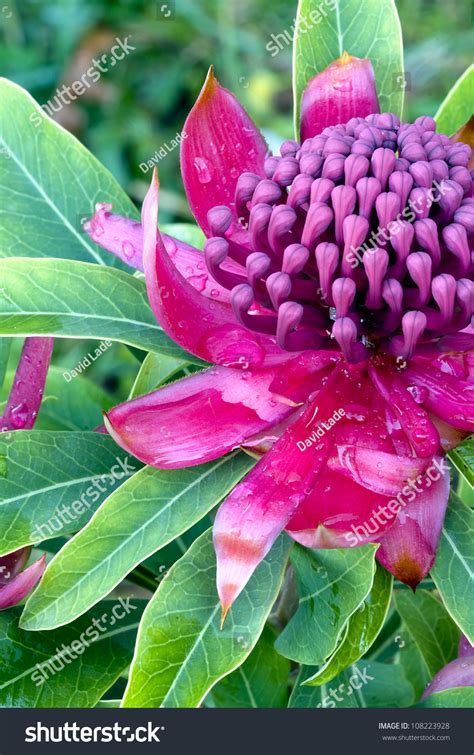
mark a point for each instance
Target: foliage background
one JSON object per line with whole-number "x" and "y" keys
{"x": 142, "y": 102}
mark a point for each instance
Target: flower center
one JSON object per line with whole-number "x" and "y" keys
{"x": 360, "y": 238}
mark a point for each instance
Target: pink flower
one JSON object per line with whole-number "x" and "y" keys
{"x": 15, "y": 584}
{"x": 20, "y": 413}
{"x": 347, "y": 362}
{"x": 457, "y": 673}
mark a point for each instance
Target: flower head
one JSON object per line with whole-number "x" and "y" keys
{"x": 335, "y": 298}
{"x": 357, "y": 240}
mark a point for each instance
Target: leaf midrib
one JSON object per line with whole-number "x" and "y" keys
{"x": 107, "y": 636}
{"x": 124, "y": 543}
{"x": 51, "y": 204}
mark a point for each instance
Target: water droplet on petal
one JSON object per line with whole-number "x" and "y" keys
{"x": 198, "y": 282}
{"x": 203, "y": 169}
{"x": 128, "y": 250}
{"x": 19, "y": 416}
{"x": 343, "y": 85}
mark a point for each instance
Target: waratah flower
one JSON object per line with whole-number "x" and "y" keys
{"x": 20, "y": 413}
{"x": 334, "y": 297}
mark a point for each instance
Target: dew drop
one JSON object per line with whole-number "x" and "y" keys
{"x": 19, "y": 416}
{"x": 203, "y": 169}
{"x": 419, "y": 393}
{"x": 128, "y": 250}
{"x": 198, "y": 282}
{"x": 343, "y": 85}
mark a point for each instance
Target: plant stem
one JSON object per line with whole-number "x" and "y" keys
{"x": 144, "y": 577}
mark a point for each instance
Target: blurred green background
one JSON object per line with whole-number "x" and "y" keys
{"x": 142, "y": 102}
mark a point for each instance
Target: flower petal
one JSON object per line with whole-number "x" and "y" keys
{"x": 221, "y": 142}
{"x": 199, "y": 418}
{"x": 465, "y": 649}
{"x": 19, "y": 587}
{"x": 206, "y": 328}
{"x": 408, "y": 549}
{"x": 344, "y": 90}
{"x": 123, "y": 237}
{"x": 458, "y": 673}
{"x": 448, "y": 397}
{"x": 379, "y": 471}
{"x": 12, "y": 564}
{"x": 26, "y": 394}
{"x": 256, "y": 511}
{"x": 450, "y": 436}
{"x": 414, "y": 420}
{"x": 338, "y": 513}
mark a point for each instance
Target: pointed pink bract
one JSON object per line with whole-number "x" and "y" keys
{"x": 408, "y": 549}
{"x": 344, "y": 90}
{"x": 221, "y": 142}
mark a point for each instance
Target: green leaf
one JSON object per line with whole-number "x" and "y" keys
{"x": 187, "y": 232}
{"x": 79, "y": 300}
{"x": 456, "y": 697}
{"x": 60, "y": 669}
{"x": 5, "y": 346}
{"x": 156, "y": 369}
{"x": 77, "y": 405}
{"x": 108, "y": 704}
{"x": 181, "y": 651}
{"x": 413, "y": 663}
{"x": 332, "y": 584}
{"x": 456, "y": 108}
{"x": 453, "y": 570}
{"x": 154, "y": 507}
{"x": 363, "y": 28}
{"x": 363, "y": 627}
{"x": 261, "y": 682}
{"x": 463, "y": 459}
{"x": 52, "y": 182}
{"x": 363, "y": 685}
{"x": 431, "y": 628}
{"x": 53, "y": 482}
